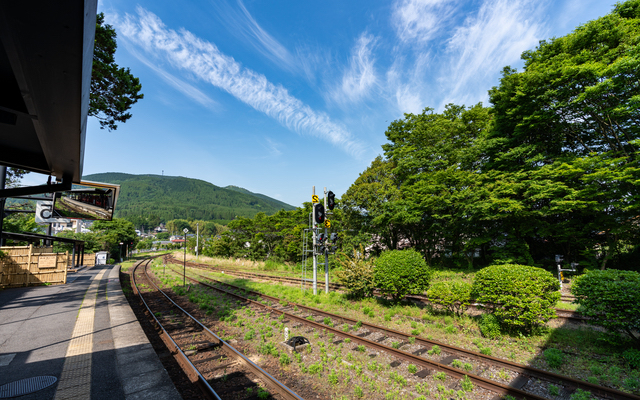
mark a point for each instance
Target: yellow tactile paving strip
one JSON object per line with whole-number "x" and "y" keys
{"x": 75, "y": 381}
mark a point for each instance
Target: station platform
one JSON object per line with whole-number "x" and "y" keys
{"x": 85, "y": 335}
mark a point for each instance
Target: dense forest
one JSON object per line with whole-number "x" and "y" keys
{"x": 147, "y": 200}
{"x": 549, "y": 168}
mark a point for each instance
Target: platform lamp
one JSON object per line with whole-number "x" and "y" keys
{"x": 184, "y": 265}
{"x": 121, "y": 251}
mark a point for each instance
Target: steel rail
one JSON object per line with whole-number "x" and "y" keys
{"x": 241, "y": 273}
{"x": 190, "y": 370}
{"x": 522, "y": 369}
{"x": 427, "y": 364}
{"x": 269, "y": 380}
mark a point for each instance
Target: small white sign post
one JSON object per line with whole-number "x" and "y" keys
{"x": 184, "y": 265}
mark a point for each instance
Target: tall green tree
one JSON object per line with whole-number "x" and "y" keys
{"x": 114, "y": 89}
{"x": 176, "y": 226}
{"x": 578, "y": 94}
{"x": 566, "y": 130}
{"x": 92, "y": 242}
{"x": 21, "y": 223}
{"x": 111, "y": 233}
{"x": 438, "y": 163}
{"x": 367, "y": 206}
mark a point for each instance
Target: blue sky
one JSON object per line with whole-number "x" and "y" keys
{"x": 278, "y": 96}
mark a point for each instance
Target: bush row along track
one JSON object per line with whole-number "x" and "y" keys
{"x": 561, "y": 314}
{"x": 219, "y": 364}
{"x": 523, "y": 381}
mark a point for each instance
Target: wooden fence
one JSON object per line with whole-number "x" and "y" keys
{"x": 32, "y": 266}
{"x": 89, "y": 260}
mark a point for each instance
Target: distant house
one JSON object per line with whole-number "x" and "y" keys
{"x": 160, "y": 228}
{"x": 176, "y": 239}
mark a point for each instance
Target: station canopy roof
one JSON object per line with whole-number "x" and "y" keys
{"x": 46, "y": 54}
{"x": 36, "y": 237}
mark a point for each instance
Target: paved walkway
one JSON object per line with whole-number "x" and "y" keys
{"x": 83, "y": 333}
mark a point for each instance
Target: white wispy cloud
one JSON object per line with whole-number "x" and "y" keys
{"x": 411, "y": 86}
{"x": 244, "y": 23}
{"x": 204, "y": 61}
{"x": 303, "y": 59}
{"x": 466, "y": 58}
{"x": 182, "y": 86}
{"x": 311, "y": 60}
{"x": 360, "y": 75}
{"x": 488, "y": 41}
{"x": 273, "y": 147}
{"x": 421, "y": 20}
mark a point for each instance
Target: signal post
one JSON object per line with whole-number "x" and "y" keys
{"x": 320, "y": 240}
{"x": 327, "y": 224}
{"x": 314, "y": 200}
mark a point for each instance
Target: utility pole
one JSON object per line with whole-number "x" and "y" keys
{"x": 315, "y": 256}
{"x": 326, "y": 250}
{"x": 197, "y": 239}
{"x": 184, "y": 265}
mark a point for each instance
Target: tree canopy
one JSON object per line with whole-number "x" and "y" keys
{"x": 114, "y": 89}
{"x": 549, "y": 167}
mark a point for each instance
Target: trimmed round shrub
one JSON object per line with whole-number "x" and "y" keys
{"x": 521, "y": 297}
{"x": 611, "y": 298}
{"x": 401, "y": 272}
{"x": 455, "y": 296}
{"x": 356, "y": 274}
{"x": 489, "y": 326}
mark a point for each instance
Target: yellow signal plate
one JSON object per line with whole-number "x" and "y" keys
{"x": 315, "y": 199}
{"x": 327, "y": 223}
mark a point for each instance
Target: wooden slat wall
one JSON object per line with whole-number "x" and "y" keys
{"x": 20, "y": 267}
{"x": 89, "y": 260}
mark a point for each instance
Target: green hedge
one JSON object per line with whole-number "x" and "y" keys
{"x": 455, "y": 296}
{"x": 611, "y": 298}
{"x": 356, "y": 274}
{"x": 401, "y": 272}
{"x": 521, "y": 297}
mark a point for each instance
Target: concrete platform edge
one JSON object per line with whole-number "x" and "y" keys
{"x": 141, "y": 373}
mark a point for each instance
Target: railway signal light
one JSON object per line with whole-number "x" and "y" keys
{"x": 334, "y": 240}
{"x": 318, "y": 211}
{"x": 321, "y": 237}
{"x": 331, "y": 200}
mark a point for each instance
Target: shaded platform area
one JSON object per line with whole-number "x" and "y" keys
{"x": 85, "y": 335}
{"x": 77, "y": 254}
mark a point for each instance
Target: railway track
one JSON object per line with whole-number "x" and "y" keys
{"x": 566, "y": 315}
{"x": 217, "y": 368}
{"x": 522, "y": 382}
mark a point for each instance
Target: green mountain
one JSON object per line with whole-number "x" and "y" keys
{"x": 262, "y": 196}
{"x": 176, "y": 197}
